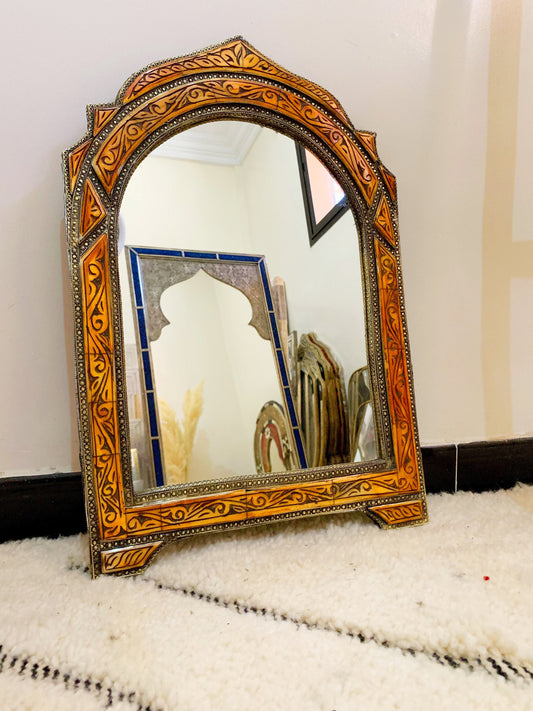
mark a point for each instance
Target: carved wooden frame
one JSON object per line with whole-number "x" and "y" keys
{"x": 229, "y": 81}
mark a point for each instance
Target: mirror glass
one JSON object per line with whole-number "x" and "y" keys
{"x": 325, "y": 190}
{"x": 218, "y": 400}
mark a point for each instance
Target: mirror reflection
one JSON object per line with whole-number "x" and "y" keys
{"x": 207, "y": 386}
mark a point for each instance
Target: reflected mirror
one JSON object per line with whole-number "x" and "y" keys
{"x": 198, "y": 375}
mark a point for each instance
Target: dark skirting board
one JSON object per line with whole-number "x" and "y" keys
{"x": 51, "y": 505}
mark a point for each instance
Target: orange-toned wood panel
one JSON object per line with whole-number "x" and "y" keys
{"x": 97, "y": 299}
{"x": 142, "y": 520}
{"x": 75, "y": 160}
{"x": 129, "y": 558}
{"x": 104, "y": 432}
{"x": 279, "y": 500}
{"x": 143, "y": 121}
{"x": 205, "y": 511}
{"x": 361, "y": 487}
{"x": 400, "y": 512}
{"x": 108, "y": 490}
{"x": 369, "y": 142}
{"x": 235, "y": 56}
{"x": 101, "y": 117}
{"x": 92, "y": 210}
{"x": 390, "y": 181}
{"x": 383, "y": 221}
{"x": 396, "y": 371}
{"x": 311, "y": 495}
{"x": 100, "y": 383}
{"x": 252, "y": 504}
{"x": 105, "y": 439}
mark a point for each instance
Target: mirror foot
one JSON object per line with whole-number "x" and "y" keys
{"x": 404, "y": 513}
{"x": 129, "y": 559}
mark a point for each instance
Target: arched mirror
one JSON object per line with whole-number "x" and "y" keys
{"x": 197, "y": 374}
{"x": 242, "y": 351}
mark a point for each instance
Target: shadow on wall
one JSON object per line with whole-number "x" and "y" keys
{"x": 68, "y": 320}
{"x": 38, "y": 424}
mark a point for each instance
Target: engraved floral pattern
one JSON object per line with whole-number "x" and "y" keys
{"x": 400, "y": 513}
{"x": 127, "y": 558}
{"x": 396, "y": 371}
{"x": 383, "y": 222}
{"x": 75, "y": 161}
{"x": 236, "y": 56}
{"x": 101, "y": 388}
{"x": 146, "y": 119}
{"x": 92, "y": 212}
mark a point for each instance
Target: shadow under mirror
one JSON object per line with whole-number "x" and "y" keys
{"x": 210, "y": 393}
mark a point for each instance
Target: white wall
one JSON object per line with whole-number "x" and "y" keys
{"x": 164, "y": 206}
{"x": 323, "y": 283}
{"x": 521, "y": 287}
{"x": 417, "y": 72}
{"x": 190, "y": 205}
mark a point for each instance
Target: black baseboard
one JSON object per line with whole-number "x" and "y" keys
{"x": 486, "y": 466}
{"x": 48, "y": 505}
{"x": 52, "y": 505}
{"x": 478, "y": 466}
{"x": 439, "y": 468}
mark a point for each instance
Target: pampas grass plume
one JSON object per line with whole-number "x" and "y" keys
{"x": 178, "y": 438}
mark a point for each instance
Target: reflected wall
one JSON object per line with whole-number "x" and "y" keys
{"x": 252, "y": 207}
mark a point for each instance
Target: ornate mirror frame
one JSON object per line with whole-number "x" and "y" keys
{"x": 230, "y": 81}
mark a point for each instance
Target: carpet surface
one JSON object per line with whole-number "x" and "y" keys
{"x": 325, "y": 614}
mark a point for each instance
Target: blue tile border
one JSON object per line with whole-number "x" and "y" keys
{"x": 142, "y": 329}
{"x": 155, "y": 251}
{"x": 136, "y": 278}
{"x": 242, "y": 257}
{"x": 200, "y": 255}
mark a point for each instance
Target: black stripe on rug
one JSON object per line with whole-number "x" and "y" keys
{"x": 24, "y": 665}
{"x": 502, "y": 668}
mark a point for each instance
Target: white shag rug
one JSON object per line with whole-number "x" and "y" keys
{"x": 325, "y": 614}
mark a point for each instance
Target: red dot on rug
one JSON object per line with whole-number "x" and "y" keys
{"x": 486, "y": 577}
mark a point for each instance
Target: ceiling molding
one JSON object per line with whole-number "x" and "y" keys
{"x": 218, "y": 143}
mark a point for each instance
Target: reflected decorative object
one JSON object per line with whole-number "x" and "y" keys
{"x": 232, "y": 81}
{"x": 177, "y": 438}
{"x": 321, "y": 403}
{"x": 272, "y": 449}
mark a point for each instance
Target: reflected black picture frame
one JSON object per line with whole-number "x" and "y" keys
{"x": 315, "y": 230}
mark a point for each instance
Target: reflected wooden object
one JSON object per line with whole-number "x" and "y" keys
{"x": 321, "y": 402}
{"x": 272, "y": 448}
{"x": 231, "y": 81}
